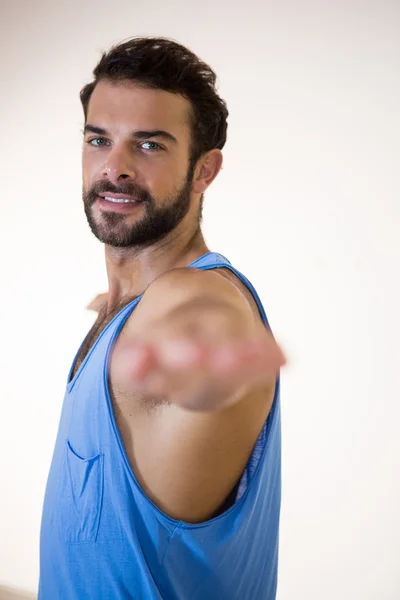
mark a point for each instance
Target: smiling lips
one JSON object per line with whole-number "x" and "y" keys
{"x": 118, "y": 198}
{"x": 118, "y": 203}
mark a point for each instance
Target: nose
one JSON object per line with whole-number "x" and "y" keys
{"x": 118, "y": 165}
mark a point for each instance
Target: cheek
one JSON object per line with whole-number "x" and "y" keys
{"x": 164, "y": 181}
{"x": 88, "y": 170}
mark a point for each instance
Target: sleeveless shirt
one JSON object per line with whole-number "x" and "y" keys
{"x": 102, "y": 538}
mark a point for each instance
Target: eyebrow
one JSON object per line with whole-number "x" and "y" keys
{"x": 141, "y": 135}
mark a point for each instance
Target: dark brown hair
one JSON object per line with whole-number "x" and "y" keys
{"x": 161, "y": 63}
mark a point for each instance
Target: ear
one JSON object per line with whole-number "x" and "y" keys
{"x": 206, "y": 171}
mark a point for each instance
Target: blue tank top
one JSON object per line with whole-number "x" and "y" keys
{"x": 102, "y": 538}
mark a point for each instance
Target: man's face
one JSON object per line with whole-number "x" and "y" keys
{"x": 136, "y": 144}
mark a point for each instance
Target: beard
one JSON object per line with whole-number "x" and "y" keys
{"x": 159, "y": 219}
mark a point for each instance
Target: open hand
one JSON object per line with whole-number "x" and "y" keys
{"x": 197, "y": 374}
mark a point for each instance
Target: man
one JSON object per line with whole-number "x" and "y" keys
{"x": 165, "y": 479}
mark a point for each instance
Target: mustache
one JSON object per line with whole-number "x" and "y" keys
{"x": 128, "y": 188}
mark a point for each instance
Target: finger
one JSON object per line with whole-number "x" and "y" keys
{"x": 185, "y": 362}
{"x": 248, "y": 351}
{"x": 151, "y": 376}
{"x": 180, "y": 354}
{"x": 252, "y": 358}
{"x": 197, "y": 376}
{"x": 138, "y": 361}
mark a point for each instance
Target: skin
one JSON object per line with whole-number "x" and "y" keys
{"x": 122, "y": 110}
{"x": 193, "y": 376}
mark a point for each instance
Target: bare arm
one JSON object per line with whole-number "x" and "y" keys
{"x": 194, "y": 339}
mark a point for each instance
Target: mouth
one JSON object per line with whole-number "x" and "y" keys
{"x": 118, "y": 200}
{"x": 111, "y": 197}
{"x": 118, "y": 203}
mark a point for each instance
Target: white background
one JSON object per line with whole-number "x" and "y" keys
{"x": 307, "y": 206}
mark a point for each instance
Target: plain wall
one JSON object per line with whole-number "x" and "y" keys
{"x": 307, "y": 206}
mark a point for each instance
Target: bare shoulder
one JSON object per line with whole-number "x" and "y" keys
{"x": 228, "y": 275}
{"x": 220, "y": 283}
{"x": 204, "y": 454}
{"x": 188, "y": 282}
{"x": 188, "y": 285}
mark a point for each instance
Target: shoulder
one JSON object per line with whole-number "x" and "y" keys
{"x": 182, "y": 285}
{"x": 190, "y": 280}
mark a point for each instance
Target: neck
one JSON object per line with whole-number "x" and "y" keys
{"x": 131, "y": 270}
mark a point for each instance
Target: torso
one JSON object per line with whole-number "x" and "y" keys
{"x": 100, "y": 324}
{"x": 162, "y": 441}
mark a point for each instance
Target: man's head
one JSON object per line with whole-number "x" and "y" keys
{"x": 154, "y": 131}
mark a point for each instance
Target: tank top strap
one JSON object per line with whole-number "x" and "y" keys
{"x": 214, "y": 260}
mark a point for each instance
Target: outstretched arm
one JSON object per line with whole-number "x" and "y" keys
{"x": 195, "y": 341}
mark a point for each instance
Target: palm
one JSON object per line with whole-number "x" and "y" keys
{"x": 196, "y": 373}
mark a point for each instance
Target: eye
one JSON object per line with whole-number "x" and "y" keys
{"x": 152, "y": 146}
{"x": 102, "y": 142}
